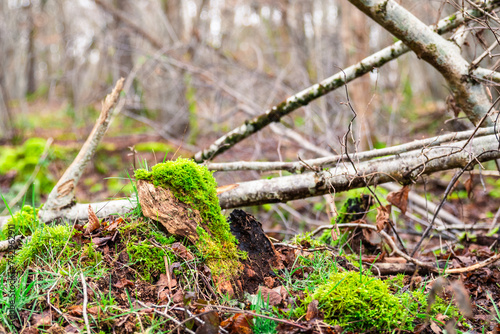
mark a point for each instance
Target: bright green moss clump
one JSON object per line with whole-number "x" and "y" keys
{"x": 193, "y": 184}
{"x": 23, "y": 222}
{"x": 359, "y": 302}
{"x": 47, "y": 243}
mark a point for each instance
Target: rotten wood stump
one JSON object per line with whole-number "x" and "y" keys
{"x": 160, "y": 204}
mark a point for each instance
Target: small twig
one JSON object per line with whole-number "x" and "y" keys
{"x": 237, "y": 310}
{"x": 393, "y": 246}
{"x": 85, "y": 300}
{"x": 62, "y": 195}
{"x": 165, "y": 315}
{"x": 494, "y": 222}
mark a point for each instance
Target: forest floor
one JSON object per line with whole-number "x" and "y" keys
{"x": 128, "y": 275}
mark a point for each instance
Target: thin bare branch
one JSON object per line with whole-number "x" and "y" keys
{"x": 324, "y": 87}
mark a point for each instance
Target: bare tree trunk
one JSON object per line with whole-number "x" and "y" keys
{"x": 404, "y": 168}
{"x": 30, "y": 66}
{"x": 442, "y": 54}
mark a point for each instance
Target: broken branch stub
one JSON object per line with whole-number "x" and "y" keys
{"x": 161, "y": 205}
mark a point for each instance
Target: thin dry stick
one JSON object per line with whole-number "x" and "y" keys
{"x": 443, "y": 200}
{"x": 165, "y": 315}
{"x": 63, "y": 193}
{"x": 85, "y": 300}
{"x": 31, "y": 179}
{"x": 304, "y": 97}
{"x": 393, "y": 246}
{"x": 333, "y": 160}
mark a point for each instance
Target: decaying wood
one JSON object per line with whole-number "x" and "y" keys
{"x": 161, "y": 205}
{"x": 333, "y": 160}
{"x": 62, "y": 195}
{"x": 404, "y": 168}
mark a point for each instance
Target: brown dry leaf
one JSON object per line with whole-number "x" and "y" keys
{"x": 312, "y": 310}
{"x": 224, "y": 287}
{"x": 182, "y": 251}
{"x": 435, "y": 328}
{"x": 44, "y": 319}
{"x": 166, "y": 281}
{"x": 399, "y": 198}
{"x": 29, "y": 330}
{"x": 211, "y": 323}
{"x": 75, "y": 310}
{"x": 469, "y": 185}
{"x": 56, "y": 329}
{"x": 270, "y": 296}
{"x": 123, "y": 283}
{"x": 94, "y": 222}
{"x": 101, "y": 241}
{"x": 269, "y": 282}
{"x": 239, "y": 323}
{"x": 383, "y": 217}
{"x": 222, "y": 189}
{"x": 111, "y": 227}
{"x": 71, "y": 329}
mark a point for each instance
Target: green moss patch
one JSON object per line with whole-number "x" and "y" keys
{"x": 47, "y": 244}
{"x": 23, "y": 222}
{"x": 357, "y": 302}
{"x": 194, "y": 185}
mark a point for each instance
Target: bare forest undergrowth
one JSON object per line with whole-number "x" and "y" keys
{"x": 334, "y": 237}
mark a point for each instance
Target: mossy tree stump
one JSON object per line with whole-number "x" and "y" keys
{"x": 182, "y": 196}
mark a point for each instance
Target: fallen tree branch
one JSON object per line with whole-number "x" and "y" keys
{"x": 340, "y": 178}
{"x": 408, "y": 258}
{"x": 303, "y": 98}
{"x": 403, "y": 168}
{"x": 443, "y": 55}
{"x": 332, "y": 160}
{"x": 63, "y": 194}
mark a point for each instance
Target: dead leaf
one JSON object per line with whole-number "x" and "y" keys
{"x": 71, "y": 329}
{"x": 44, "y": 319}
{"x": 101, "y": 241}
{"x": 269, "y": 282}
{"x": 122, "y": 283}
{"x": 435, "y": 328}
{"x": 270, "y": 296}
{"x": 56, "y": 329}
{"x": 312, "y": 310}
{"x": 29, "y": 330}
{"x": 75, "y": 310}
{"x": 222, "y": 189}
{"x": 469, "y": 185}
{"x": 239, "y": 323}
{"x": 383, "y": 217}
{"x": 111, "y": 227}
{"x": 211, "y": 323}
{"x": 94, "y": 222}
{"x": 178, "y": 296}
{"x": 166, "y": 281}
{"x": 182, "y": 251}
{"x": 399, "y": 198}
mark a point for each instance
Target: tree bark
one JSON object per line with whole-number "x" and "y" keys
{"x": 404, "y": 168}
{"x": 304, "y": 97}
{"x": 442, "y": 54}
